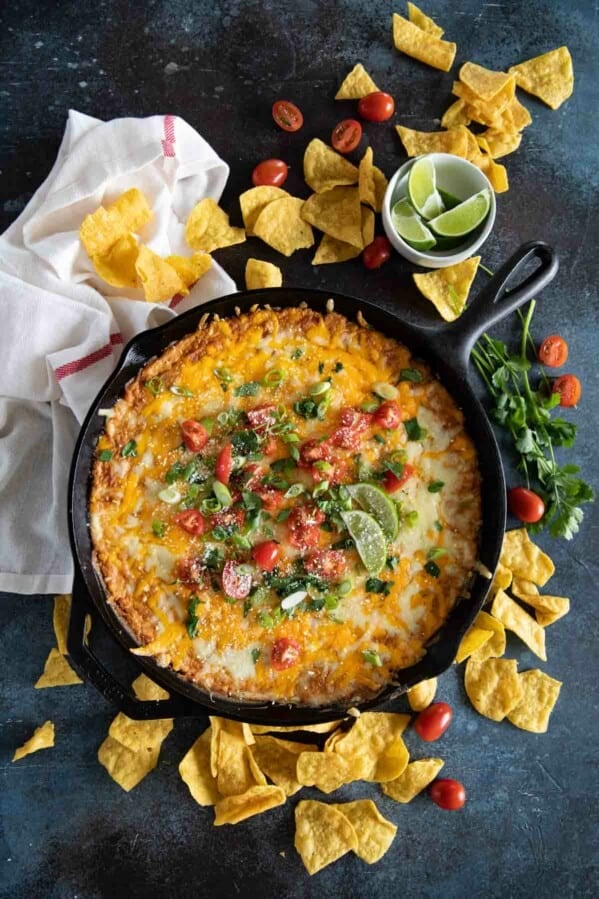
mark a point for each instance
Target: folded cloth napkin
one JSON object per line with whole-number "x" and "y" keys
{"x": 63, "y": 328}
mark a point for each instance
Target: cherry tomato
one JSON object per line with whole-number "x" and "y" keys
{"x": 236, "y": 584}
{"x": 272, "y": 172}
{"x": 377, "y": 253}
{"x": 353, "y": 423}
{"x": 272, "y": 498}
{"x": 261, "y": 417}
{"x": 391, "y": 482}
{"x": 553, "y": 351}
{"x": 303, "y": 526}
{"x": 315, "y": 451}
{"x": 346, "y": 135}
{"x": 569, "y": 389}
{"x": 287, "y": 115}
{"x": 230, "y": 519}
{"x": 224, "y": 464}
{"x": 266, "y": 555}
{"x": 191, "y": 521}
{"x": 326, "y": 563}
{"x": 525, "y": 505}
{"x": 376, "y": 107}
{"x": 448, "y": 794}
{"x": 433, "y": 722}
{"x": 195, "y": 435}
{"x": 284, "y": 653}
{"x": 388, "y": 415}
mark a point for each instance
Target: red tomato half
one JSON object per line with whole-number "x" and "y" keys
{"x": 191, "y": 521}
{"x": 525, "y": 505}
{"x": 433, "y": 722}
{"x": 266, "y": 555}
{"x": 236, "y": 584}
{"x": 376, "y": 253}
{"x": 553, "y": 352}
{"x": 448, "y": 794}
{"x": 569, "y": 389}
{"x": 353, "y": 423}
{"x": 346, "y": 135}
{"x": 272, "y": 172}
{"x": 287, "y": 115}
{"x": 284, "y": 653}
{"x": 388, "y": 415}
{"x": 315, "y": 451}
{"x": 195, "y": 435}
{"x": 224, "y": 464}
{"x": 393, "y": 483}
{"x": 376, "y": 107}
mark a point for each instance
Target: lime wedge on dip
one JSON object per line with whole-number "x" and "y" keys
{"x": 464, "y": 218}
{"x": 422, "y": 189}
{"x": 369, "y": 539}
{"x": 376, "y": 502}
{"x": 408, "y": 225}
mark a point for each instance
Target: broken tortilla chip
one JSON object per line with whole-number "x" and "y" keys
{"x": 421, "y": 695}
{"x": 117, "y": 265}
{"x": 138, "y": 735}
{"x": 539, "y": 695}
{"x": 525, "y": 559}
{"x": 146, "y": 689}
{"x": 331, "y": 250}
{"x": 375, "y": 833}
{"x": 417, "y": 143}
{"x": 159, "y": 280}
{"x": 322, "y": 834}
{"x": 374, "y": 747}
{"x": 456, "y": 114}
{"x": 282, "y": 226}
{"x": 324, "y": 728}
{"x": 237, "y": 770}
{"x": 190, "y": 268}
{"x": 495, "y": 645}
{"x": 493, "y": 686}
{"x": 42, "y": 738}
{"x": 336, "y": 212}
{"x": 413, "y": 41}
{"x": 278, "y": 760}
{"x": 473, "y": 640}
{"x": 258, "y": 799}
{"x": 485, "y": 83}
{"x": 448, "y": 288}
{"x": 417, "y": 776}
{"x": 102, "y": 228}
{"x": 57, "y": 672}
{"x": 356, "y": 84}
{"x": 194, "y": 769}
{"x": 325, "y": 169}
{"x": 550, "y": 77}
{"x": 208, "y": 228}
{"x": 126, "y": 767}
{"x": 499, "y": 143}
{"x": 259, "y": 274}
{"x": 60, "y": 620}
{"x": 324, "y": 770}
{"x": 424, "y": 22}
{"x": 515, "y": 619}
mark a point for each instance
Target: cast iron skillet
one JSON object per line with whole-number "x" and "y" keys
{"x": 446, "y": 348}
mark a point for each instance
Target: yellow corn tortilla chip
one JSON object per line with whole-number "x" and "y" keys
{"x": 146, "y": 689}
{"x": 495, "y": 645}
{"x": 367, "y": 226}
{"x": 456, "y": 114}
{"x": 282, "y": 227}
{"x": 375, "y": 834}
{"x": 278, "y": 760}
{"x": 331, "y": 250}
{"x": 133, "y": 208}
{"x": 548, "y": 609}
{"x": 502, "y": 578}
{"x": 126, "y": 767}
{"x": 324, "y": 770}
{"x": 521, "y": 587}
{"x": 500, "y": 143}
{"x": 374, "y": 747}
{"x": 333, "y": 739}
{"x": 414, "y": 42}
{"x": 324, "y": 728}
{"x": 259, "y": 274}
{"x": 424, "y": 22}
{"x": 417, "y": 143}
{"x": 525, "y": 559}
{"x": 218, "y": 726}
{"x": 102, "y": 228}
{"x": 490, "y": 110}
{"x": 539, "y": 695}
{"x": 194, "y": 769}
{"x": 258, "y": 799}
{"x": 473, "y": 640}
{"x": 485, "y": 83}
{"x": 515, "y": 619}
{"x": 549, "y": 76}
{"x": 322, "y": 834}
{"x": 448, "y": 288}
{"x": 325, "y": 169}
{"x": 372, "y": 183}
{"x": 208, "y": 228}
{"x": 60, "y": 620}
{"x": 336, "y": 212}
{"x": 42, "y": 738}
{"x": 516, "y": 116}
{"x": 417, "y": 776}
{"x": 493, "y": 686}
{"x": 57, "y": 672}
{"x": 237, "y": 770}
{"x": 117, "y": 265}
{"x": 356, "y": 84}
{"x": 253, "y": 201}
{"x": 190, "y": 268}
{"x": 159, "y": 280}
{"x": 496, "y": 173}
{"x": 137, "y": 735}
{"x": 421, "y": 695}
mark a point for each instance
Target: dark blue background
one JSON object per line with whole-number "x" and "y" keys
{"x": 530, "y": 826}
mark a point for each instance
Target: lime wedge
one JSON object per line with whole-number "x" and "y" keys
{"x": 422, "y": 189}
{"x": 369, "y": 539}
{"x": 449, "y": 201}
{"x": 465, "y": 217}
{"x": 376, "y": 502}
{"x": 408, "y": 225}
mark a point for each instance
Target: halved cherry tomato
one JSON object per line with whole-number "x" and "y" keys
{"x": 553, "y": 352}
{"x": 376, "y": 107}
{"x": 346, "y": 135}
{"x": 525, "y": 505}
{"x": 272, "y": 172}
{"x": 569, "y": 389}
{"x": 448, "y": 794}
{"x": 433, "y": 721}
{"x": 391, "y": 482}
{"x": 326, "y": 563}
{"x": 284, "y": 653}
{"x": 195, "y": 435}
{"x": 376, "y": 253}
{"x": 287, "y": 115}
{"x": 224, "y": 464}
{"x": 236, "y": 584}
{"x": 388, "y": 415}
{"x": 191, "y": 521}
{"x": 261, "y": 417}
{"x": 315, "y": 451}
{"x": 266, "y": 555}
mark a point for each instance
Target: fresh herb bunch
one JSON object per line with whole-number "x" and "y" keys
{"x": 525, "y": 411}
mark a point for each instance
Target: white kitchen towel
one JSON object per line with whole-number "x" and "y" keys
{"x": 62, "y": 328}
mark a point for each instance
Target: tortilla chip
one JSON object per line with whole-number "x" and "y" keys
{"x": 254, "y": 200}
{"x": 146, "y": 689}
{"x": 117, "y": 265}
{"x": 137, "y": 735}
{"x": 324, "y": 770}
{"x": 159, "y": 280}
{"x": 473, "y": 640}
{"x": 60, "y": 620}
{"x": 502, "y": 578}
{"x": 456, "y": 114}
{"x": 324, "y": 728}
{"x": 356, "y": 85}
{"x": 485, "y": 83}
{"x": 102, "y": 228}
{"x": 208, "y": 228}
{"x": 126, "y": 767}
{"x": 374, "y": 747}
{"x": 516, "y": 116}
{"x": 259, "y": 274}
{"x": 278, "y": 760}
{"x": 336, "y": 212}
{"x": 375, "y": 834}
{"x": 331, "y": 250}
{"x": 237, "y": 770}
{"x": 417, "y": 143}
{"x": 43, "y": 738}
{"x": 539, "y": 695}
{"x": 367, "y": 226}
{"x": 325, "y": 169}
{"x": 549, "y": 76}
{"x": 235, "y": 728}
{"x": 258, "y": 799}
{"x": 322, "y": 834}
{"x": 548, "y": 609}
{"x": 525, "y": 559}
{"x": 515, "y": 619}
{"x": 500, "y": 143}
{"x": 424, "y": 22}
{"x": 282, "y": 227}
{"x": 493, "y": 686}
{"x": 448, "y": 288}
{"x": 521, "y": 587}
{"x": 190, "y": 268}
{"x": 421, "y": 695}
{"x": 57, "y": 672}
{"x": 417, "y": 776}
{"x": 194, "y": 769}
{"x": 495, "y": 645}
{"x": 413, "y": 41}
{"x": 133, "y": 209}
{"x": 496, "y": 173}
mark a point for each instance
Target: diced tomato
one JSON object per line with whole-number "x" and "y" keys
{"x": 270, "y": 446}
{"x": 272, "y": 498}
{"x": 392, "y": 483}
{"x": 191, "y": 571}
{"x": 266, "y": 555}
{"x": 195, "y": 435}
{"x": 236, "y": 584}
{"x": 337, "y": 473}
{"x": 272, "y": 172}
{"x": 224, "y": 464}
{"x": 230, "y": 519}
{"x": 352, "y": 423}
{"x": 252, "y": 475}
{"x": 303, "y": 525}
{"x": 326, "y": 563}
{"x": 191, "y": 521}
{"x": 388, "y": 415}
{"x": 315, "y": 451}
{"x": 305, "y": 538}
{"x": 284, "y": 653}
{"x": 261, "y": 417}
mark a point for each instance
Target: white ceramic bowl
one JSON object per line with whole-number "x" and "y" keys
{"x": 460, "y": 178}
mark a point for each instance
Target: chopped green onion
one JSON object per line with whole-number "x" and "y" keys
{"x": 207, "y": 424}
{"x": 438, "y": 526}
{"x": 436, "y": 486}
{"x": 414, "y": 430}
{"x": 255, "y": 655}
{"x": 219, "y": 533}
{"x": 399, "y": 456}
{"x": 241, "y": 542}
{"x": 297, "y": 353}
{"x": 192, "y": 615}
{"x": 250, "y": 388}
{"x": 210, "y": 505}
{"x": 432, "y": 568}
{"x": 223, "y": 494}
{"x": 320, "y": 367}
{"x": 294, "y": 490}
{"x": 223, "y": 419}
{"x": 331, "y": 602}
{"x": 372, "y": 657}
{"x": 436, "y": 552}
{"x": 105, "y": 455}
{"x": 265, "y": 619}
{"x": 345, "y": 587}
{"x": 320, "y": 489}
{"x": 274, "y": 377}
{"x": 376, "y": 585}
{"x": 410, "y": 374}
{"x": 410, "y": 518}
{"x": 130, "y": 449}
{"x": 324, "y": 466}
{"x": 338, "y": 367}
{"x": 379, "y": 439}
{"x": 181, "y": 391}
{"x": 385, "y": 391}
{"x": 369, "y": 406}
{"x": 158, "y": 528}
{"x": 319, "y": 388}
{"x": 223, "y": 374}
{"x": 294, "y": 453}
{"x": 155, "y": 386}
{"x": 170, "y": 495}
{"x": 283, "y": 515}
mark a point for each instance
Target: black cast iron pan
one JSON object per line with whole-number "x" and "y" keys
{"x": 446, "y": 348}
